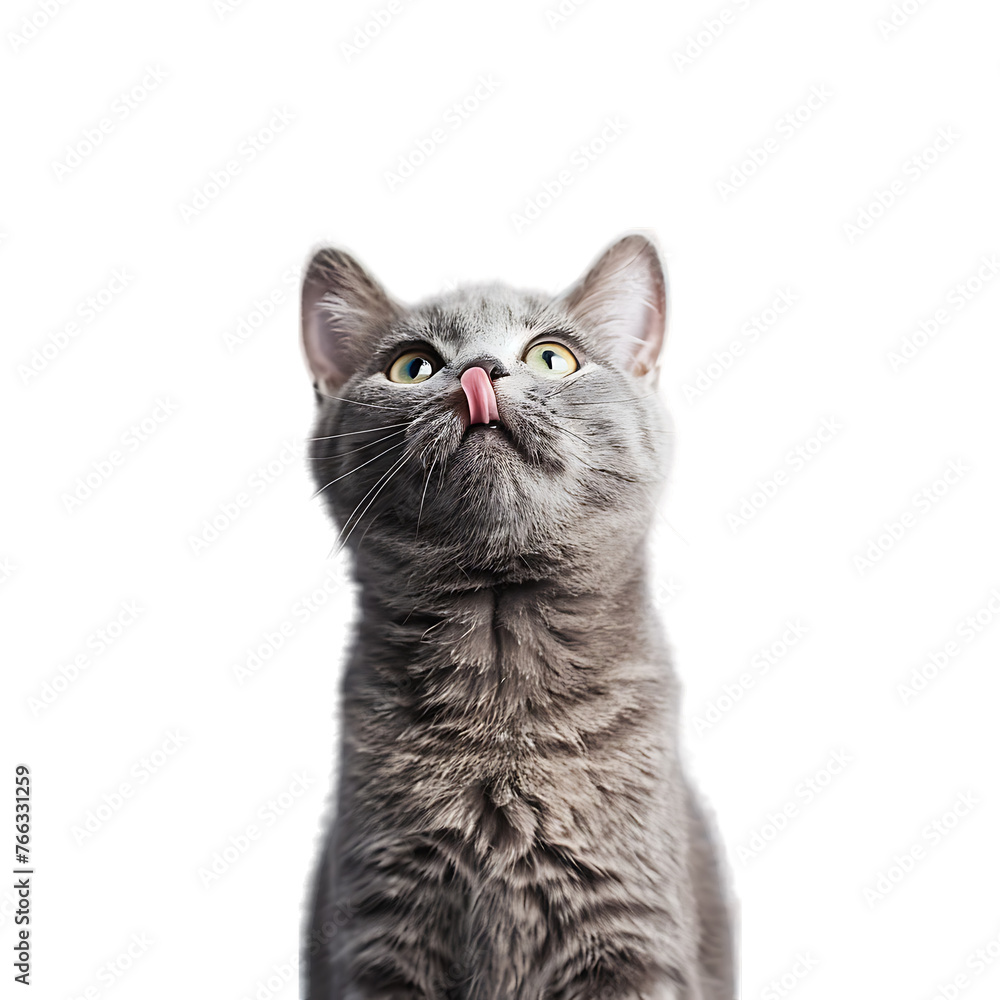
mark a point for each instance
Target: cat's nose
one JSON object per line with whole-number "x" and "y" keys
{"x": 494, "y": 369}
{"x": 479, "y": 392}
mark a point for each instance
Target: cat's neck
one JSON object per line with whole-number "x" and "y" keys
{"x": 510, "y": 642}
{"x": 607, "y": 584}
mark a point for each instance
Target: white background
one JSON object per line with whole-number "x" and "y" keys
{"x": 180, "y": 342}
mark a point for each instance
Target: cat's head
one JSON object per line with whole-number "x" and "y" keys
{"x": 492, "y": 434}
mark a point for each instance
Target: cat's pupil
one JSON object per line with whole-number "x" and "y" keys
{"x": 416, "y": 367}
{"x": 547, "y": 357}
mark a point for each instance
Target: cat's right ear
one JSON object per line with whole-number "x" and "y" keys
{"x": 623, "y": 300}
{"x": 341, "y": 305}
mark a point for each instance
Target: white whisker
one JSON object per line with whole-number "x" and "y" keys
{"x": 367, "y": 430}
{"x": 353, "y": 451}
{"x": 604, "y": 402}
{"x": 347, "y": 399}
{"x": 393, "y": 469}
{"x": 427, "y": 481}
{"x": 355, "y": 469}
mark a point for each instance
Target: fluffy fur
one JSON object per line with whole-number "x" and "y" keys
{"x": 512, "y": 821}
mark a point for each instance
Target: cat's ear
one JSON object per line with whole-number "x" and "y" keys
{"x": 341, "y": 305}
{"x": 623, "y": 299}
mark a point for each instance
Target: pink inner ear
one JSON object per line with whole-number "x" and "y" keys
{"x": 623, "y": 297}
{"x": 341, "y": 305}
{"x": 482, "y": 399}
{"x": 322, "y": 335}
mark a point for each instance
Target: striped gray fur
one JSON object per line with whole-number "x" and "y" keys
{"x": 511, "y": 819}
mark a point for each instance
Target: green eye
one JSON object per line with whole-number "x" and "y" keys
{"x": 551, "y": 360}
{"x": 413, "y": 366}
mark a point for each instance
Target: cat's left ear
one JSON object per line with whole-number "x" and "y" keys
{"x": 342, "y": 307}
{"x": 623, "y": 299}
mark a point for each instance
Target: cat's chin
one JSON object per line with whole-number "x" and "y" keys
{"x": 494, "y": 427}
{"x": 487, "y": 436}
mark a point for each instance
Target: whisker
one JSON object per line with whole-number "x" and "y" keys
{"x": 666, "y": 432}
{"x": 375, "y": 486}
{"x": 340, "y": 534}
{"x": 367, "y": 430}
{"x": 347, "y": 399}
{"x": 324, "y": 458}
{"x": 604, "y": 402}
{"x": 427, "y": 481}
{"x": 396, "y": 466}
{"x": 365, "y": 532}
{"x": 355, "y": 469}
{"x": 566, "y": 430}
{"x": 667, "y": 522}
{"x": 609, "y": 472}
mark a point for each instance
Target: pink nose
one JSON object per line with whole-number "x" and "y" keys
{"x": 482, "y": 399}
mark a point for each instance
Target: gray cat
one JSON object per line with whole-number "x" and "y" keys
{"x": 512, "y": 820}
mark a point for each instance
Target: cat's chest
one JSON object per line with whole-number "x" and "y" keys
{"x": 516, "y": 793}
{"x": 503, "y": 763}
{"x": 510, "y": 729}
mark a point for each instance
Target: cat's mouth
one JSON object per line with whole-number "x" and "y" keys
{"x": 481, "y": 404}
{"x": 487, "y": 438}
{"x": 493, "y": 429}
{"x": 484, "y": 424}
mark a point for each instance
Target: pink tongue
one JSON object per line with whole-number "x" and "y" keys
{"x": 482, "y": 399}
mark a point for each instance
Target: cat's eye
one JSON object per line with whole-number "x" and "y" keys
{"x": 551, "y": 360}
{"x": 413, "y": 366}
